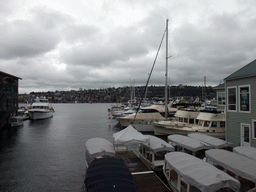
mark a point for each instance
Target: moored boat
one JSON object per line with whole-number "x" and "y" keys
{"x": 16, "y": 121}
{"x": 236, "y": 165}
{"x": 185, "y": 172}
{"x": 143, "y": 119}
{"x": 96, "y": 148}
{"x": 152, "y": 152}
{"x": 208, "y": 123}
{"x": 40, "y": 109}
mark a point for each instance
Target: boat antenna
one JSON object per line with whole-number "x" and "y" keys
{"x": 150, "y": 74}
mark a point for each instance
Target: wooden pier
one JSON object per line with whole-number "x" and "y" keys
{"x": 144, "y": 178}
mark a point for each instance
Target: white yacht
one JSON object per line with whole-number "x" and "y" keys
{"x": 142, "y": 120}
{"x": 152, "y": 152}
{"x": 182, "y": 118}
{"x": 40, "y": 109}
{"x": 208, "y": 123}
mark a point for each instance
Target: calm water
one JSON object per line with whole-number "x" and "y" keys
{"x": 49, "y": 155}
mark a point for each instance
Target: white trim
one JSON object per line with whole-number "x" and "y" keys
{"x": 227, "y": 98}
{"x": 221, "y": 100}
{"x": 239, "y": 106}
{"x": 241, "y": 133}
{"x": 253, "y": 129}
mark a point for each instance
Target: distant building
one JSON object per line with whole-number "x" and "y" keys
{"x": 241, "y": 106}
{"x": 8, "y": 98}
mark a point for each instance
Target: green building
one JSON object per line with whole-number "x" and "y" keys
{"x": 240, "y": 90}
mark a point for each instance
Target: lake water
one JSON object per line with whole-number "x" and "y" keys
{"x": 49, "y": 155}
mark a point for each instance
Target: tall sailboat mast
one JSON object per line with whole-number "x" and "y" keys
{"x": 166, "y": 73}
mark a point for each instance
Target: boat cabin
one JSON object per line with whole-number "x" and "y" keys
{"x": 186, "y": 116}
{"x": 153, "y": 152}
{"x": 186, "y": 173}
{"x": 238, "y": 166}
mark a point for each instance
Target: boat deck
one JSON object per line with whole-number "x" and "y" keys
{"x": 144, "y": 178}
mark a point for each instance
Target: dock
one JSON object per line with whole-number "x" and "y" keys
{"x": 144, "y": 178}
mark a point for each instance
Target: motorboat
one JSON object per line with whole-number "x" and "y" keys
{"x": 185, "y": 172}
{"x": 249, "y": 152}
{"x": 216, "y": 143}
{"x": 22, "y": 111}
{"x": 40, "y": 109}
{"x": 208, "y": 123}
{"x": 109, "y": 174}
{"x": 189, "y": 145}
{"x": 144, "y": 117}
{"x": 236, "y": 165}
{"x": 182, "y": 118}
{"x": 152, "y": 152}
{"x": 96, "y": 148}
{"x": 16, "y": 121}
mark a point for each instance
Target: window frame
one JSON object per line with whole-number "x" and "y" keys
{"x": 253, "y": 128}
{"x": 227, "y": 98}
{"x": 223, "y": 102}
{"x": 239, "y": 96}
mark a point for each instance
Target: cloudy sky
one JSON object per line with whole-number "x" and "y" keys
{"x": 71, "y": 44}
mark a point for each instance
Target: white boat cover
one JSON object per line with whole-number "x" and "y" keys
{"x": 97, "y": 147}
{"x": 199, "y": 173}
{"x": 236, "y": 163}
{"x": 246, "y": 151}
{"x": 188, "y": 142}
{"x": 128, "y": 136}
{"x": 215, "y": 142}
{"x": 156, "y": 144}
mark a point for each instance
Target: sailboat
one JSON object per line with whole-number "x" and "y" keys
{"x": 142, "y": 120}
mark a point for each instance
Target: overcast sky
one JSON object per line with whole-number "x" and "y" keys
{"x": 71, "y": 44}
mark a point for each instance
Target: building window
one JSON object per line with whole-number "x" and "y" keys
{"x": 244, "y": 100}
{"x": 254, "y": 128}
{"x": 231, "y": 98}
{"x": 221, "y": 98}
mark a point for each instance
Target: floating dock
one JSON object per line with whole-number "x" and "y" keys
{"x": 144, "y": 178}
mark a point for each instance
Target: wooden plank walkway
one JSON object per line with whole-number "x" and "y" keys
{"x": 144, "y": 178}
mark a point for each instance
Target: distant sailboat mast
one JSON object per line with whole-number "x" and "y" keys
{"x": 166, "y": 73}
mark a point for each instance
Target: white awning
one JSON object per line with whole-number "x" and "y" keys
{"x": 236, "y": 163}
{"x": 128, "y": 136}
{"x": 199, "y": 173}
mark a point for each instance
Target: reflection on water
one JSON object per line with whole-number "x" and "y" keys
{"x": 49, "y": 154}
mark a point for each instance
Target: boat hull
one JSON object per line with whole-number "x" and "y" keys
{"x": 36, "y": 115}
{"x": 161, "y": 130}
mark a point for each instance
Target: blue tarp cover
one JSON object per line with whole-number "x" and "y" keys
{"x": 109, "y": 174}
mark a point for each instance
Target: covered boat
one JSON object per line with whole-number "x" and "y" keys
{"x": 215, "y": 142}
{"x": 128, "y": 136}
{"x": 246, "y": 151}
{"x": 188, "y": 144}
{"x": 185, "y": 172}
{"x": 98, "y": 148}
{"x": 236, "y": 165}
{"x": 109, "y": 174}
{"x": 152, "y": 152}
